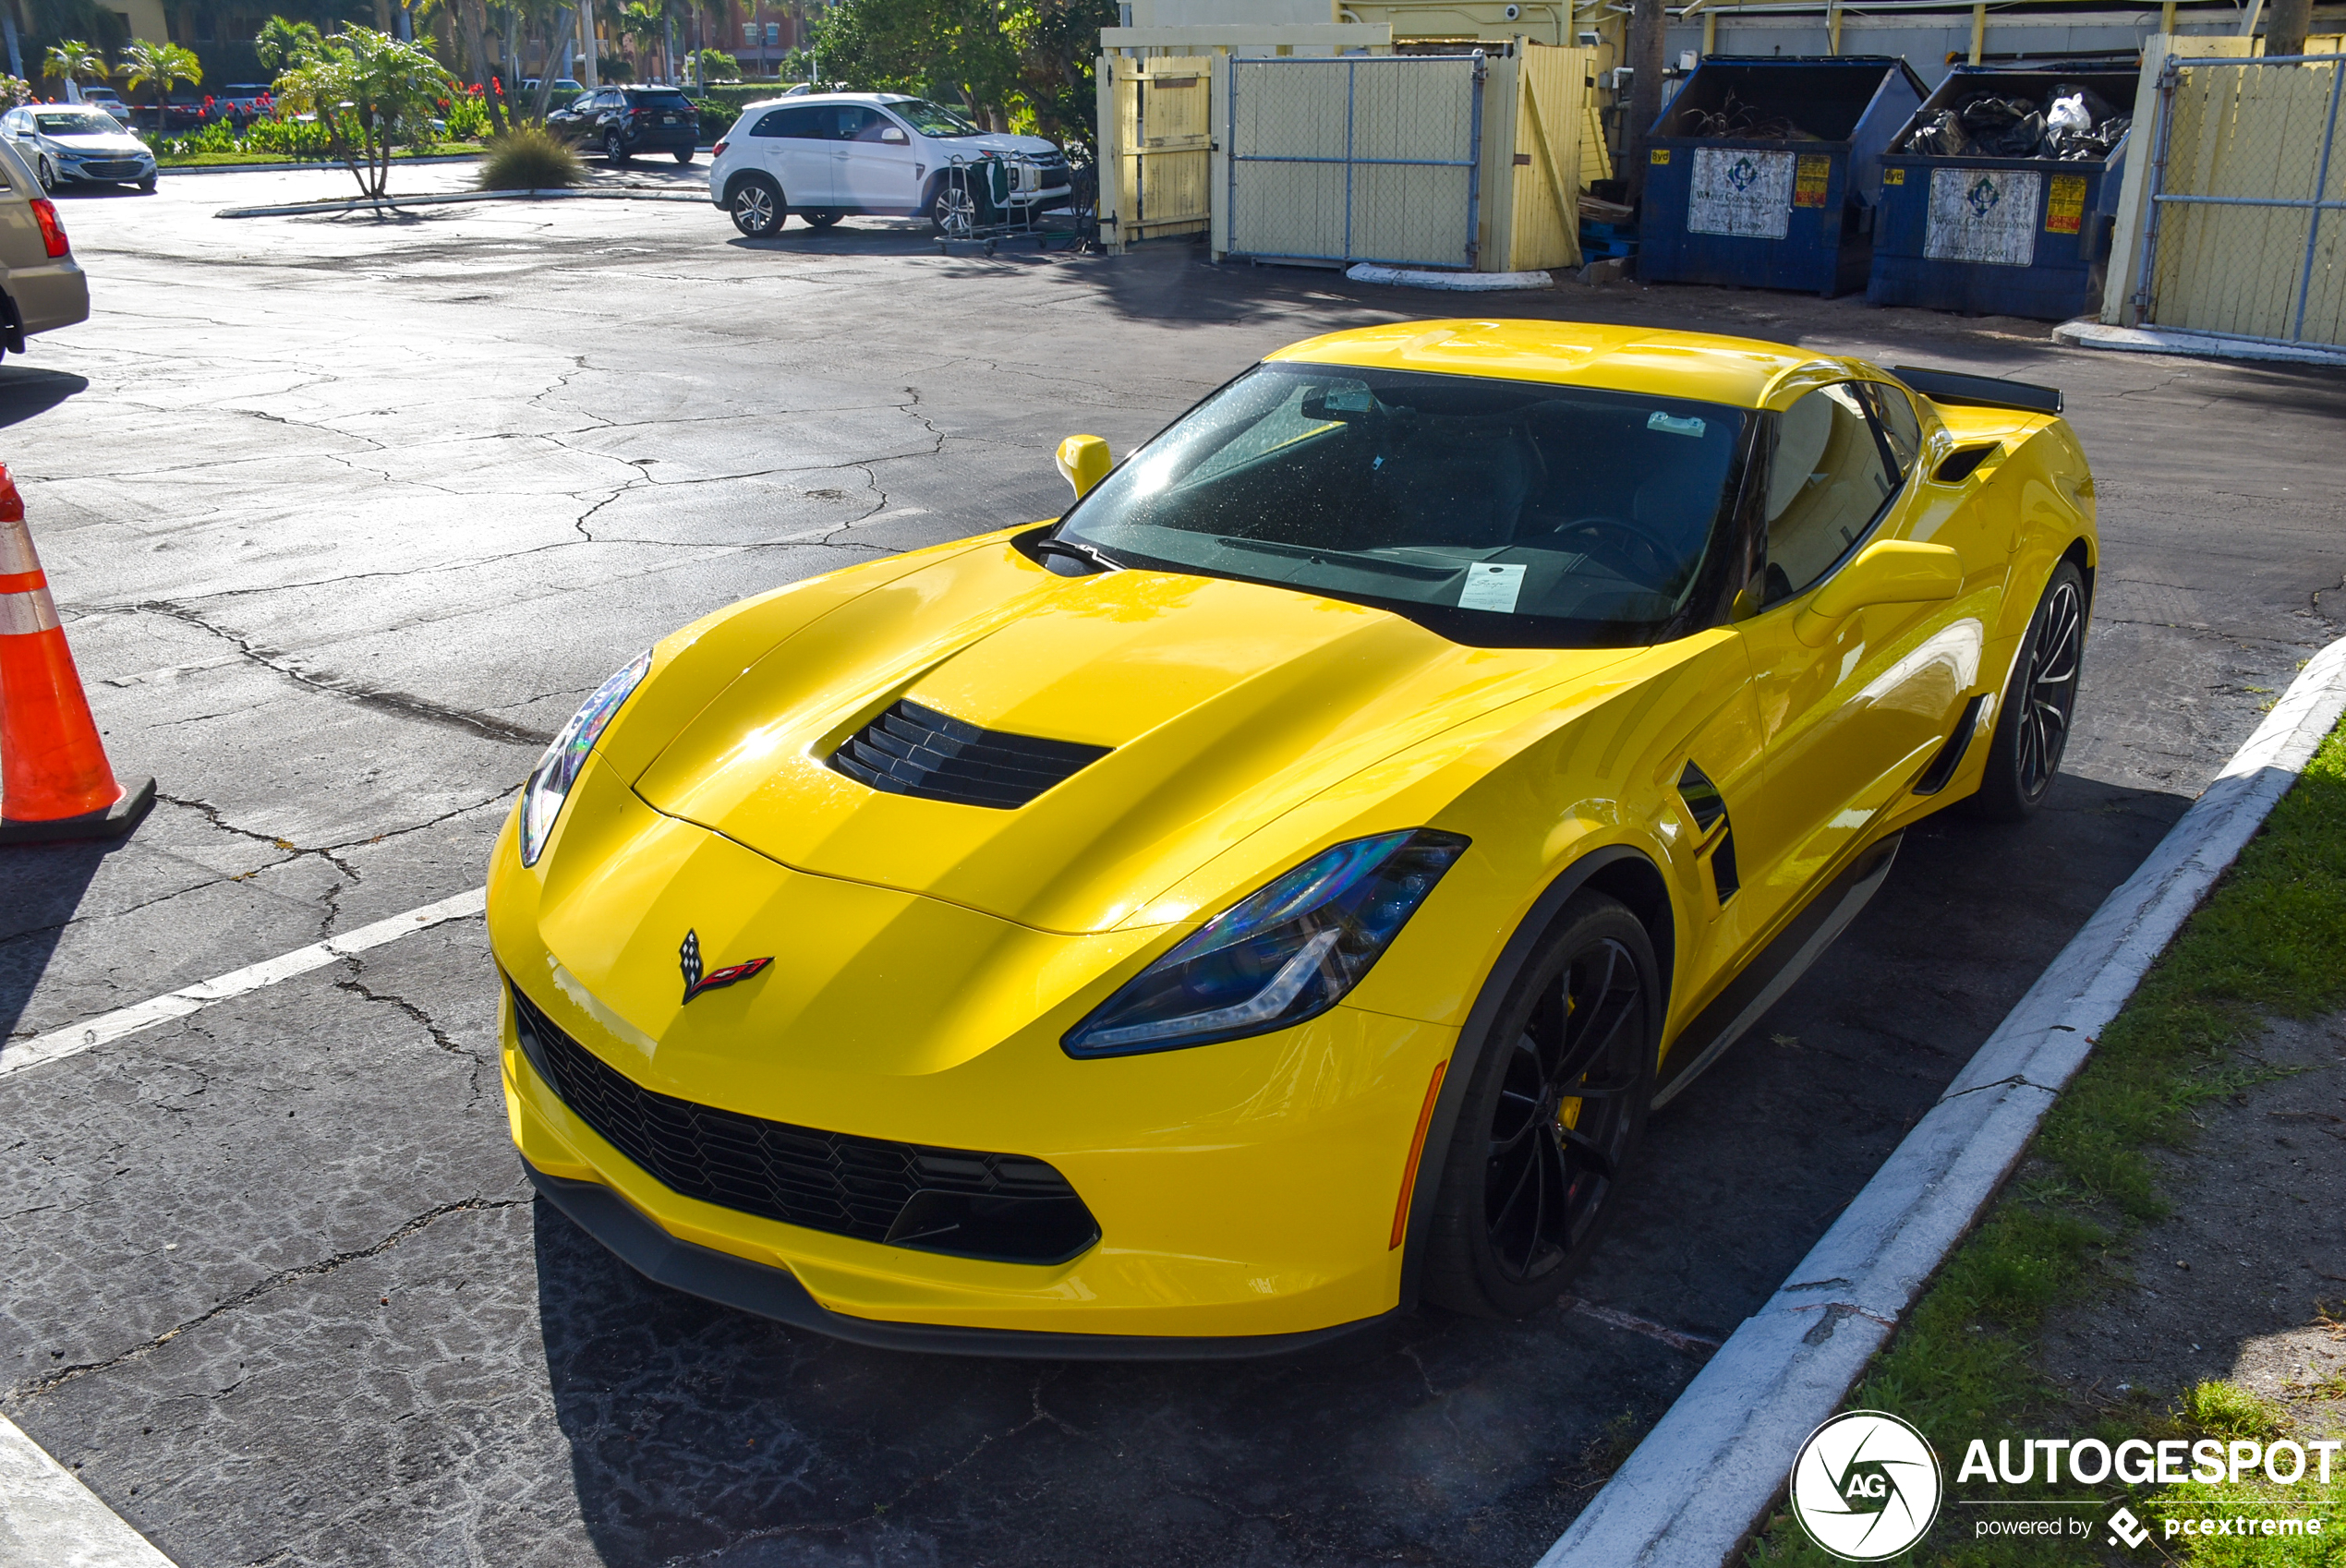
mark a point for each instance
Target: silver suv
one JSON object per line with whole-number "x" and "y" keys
{"x": 42, "y": 288}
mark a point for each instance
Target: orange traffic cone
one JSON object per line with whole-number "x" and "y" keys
{"x": 54, "y": 782}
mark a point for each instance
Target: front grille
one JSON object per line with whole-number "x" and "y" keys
{"x": 911, "y": 750}
{"x": 110, "y": 171}
{"x": 1006, "y": 1208}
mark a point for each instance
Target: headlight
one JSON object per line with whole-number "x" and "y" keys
{"x": 549, "y": 787}
{"x": 1282, "y": 956}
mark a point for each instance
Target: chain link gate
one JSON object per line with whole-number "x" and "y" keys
{"x": 2245, "y": 176}
{"x": 1363, "y": 158}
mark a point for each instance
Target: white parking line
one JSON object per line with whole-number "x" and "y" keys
{"x": 48, "y": 1519}
{"x": 19, "y": 1056}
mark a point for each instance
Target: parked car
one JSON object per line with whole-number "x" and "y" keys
{"x": 825, "y": 155}
{"x": 78, "y": 142}
{"x": 243, "y": 102}
{"x": 625, "y": 121}
{"x": 41, "y": 288}
{"x": 564, "y": 87}
{"x": 1274, "y": 892}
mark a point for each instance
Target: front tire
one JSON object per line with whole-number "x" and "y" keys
{"x": 1551, "y": 1116}
{"x": 756, "y": 207}
{"x": 821, "y": 219}
{"x": 48, "y": 174}
{"x": 683, "y": 155}
{"x": 953, "y": 212}
{"x": 2032, "y": 729}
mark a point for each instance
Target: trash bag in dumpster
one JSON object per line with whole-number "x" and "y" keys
{"x": 1985, "y": 125}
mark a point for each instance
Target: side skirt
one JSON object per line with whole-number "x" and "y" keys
{"x": 1780, "y": 963}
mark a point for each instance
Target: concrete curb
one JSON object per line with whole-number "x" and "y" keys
{"x": 2145, "y": 340}
{"x": 1462, "y": 283}
{"x": 1707, "y": 1474}
{"x": 313, "y": 163}
{"x": 48, "y": 1519}
{"x": 400, "y": 203}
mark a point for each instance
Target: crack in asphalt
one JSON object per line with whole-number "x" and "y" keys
{"x": 261, "y": 1287}
{"x": 402, "y": 703}
{"x": 357, "y": 985}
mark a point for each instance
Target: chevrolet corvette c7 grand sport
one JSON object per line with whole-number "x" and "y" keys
{"x": 1274, "y": 893}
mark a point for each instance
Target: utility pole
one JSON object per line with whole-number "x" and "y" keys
{"x": 2286, "y": 22}
{"x": 1646, "y": 21}
{"x": 587, "y": 74}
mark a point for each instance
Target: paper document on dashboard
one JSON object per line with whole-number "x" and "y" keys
{"x": 1491, "y": 586}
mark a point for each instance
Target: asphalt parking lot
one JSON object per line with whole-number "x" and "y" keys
{"x": 347, "y": 516}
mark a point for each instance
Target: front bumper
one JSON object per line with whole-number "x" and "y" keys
{"x": 1243, "y": 1191}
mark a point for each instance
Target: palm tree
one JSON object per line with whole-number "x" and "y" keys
{"x": 148, "y": 63}
{"x": 70, "y": 60}
{"x": 644, "y": 22}
{"x": 281, "y": 42}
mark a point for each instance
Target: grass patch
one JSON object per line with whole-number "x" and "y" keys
{"x": 530, "y": 158}
{"x": 2270, "y": 940}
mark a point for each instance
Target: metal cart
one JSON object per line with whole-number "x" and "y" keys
{"x": 980, "y": 204}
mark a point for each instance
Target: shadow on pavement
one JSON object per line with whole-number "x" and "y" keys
{"x": 695, "y": 1430}
{"x": 25, "y": 392}
{"x": 40, "y": 887}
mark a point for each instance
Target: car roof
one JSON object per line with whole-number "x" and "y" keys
{"x": 1702, "y": 366}
{"x": 796, "y": 99}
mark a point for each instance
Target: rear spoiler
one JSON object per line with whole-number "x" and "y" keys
{"x": 1982, "y": 392}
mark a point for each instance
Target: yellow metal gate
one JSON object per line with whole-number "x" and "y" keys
{"x": 1360, "y": 157}
{"x": 1163, "y": 140}
{"x": 2246, "y": 234}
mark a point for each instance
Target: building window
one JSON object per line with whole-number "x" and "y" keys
{"x": 773, "y": 34}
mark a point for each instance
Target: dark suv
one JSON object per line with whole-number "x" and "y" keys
{"x": 625, "y": 121}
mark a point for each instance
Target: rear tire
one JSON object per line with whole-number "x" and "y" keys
{"x": 683, "y": 155}
{"x": 1552, "y": 1116}
{"x": 614, "y": 150}
{"x": 2032, "y": 726}
{"x": 756, "y": 207}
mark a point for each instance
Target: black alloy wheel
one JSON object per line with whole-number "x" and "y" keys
{"x": 1555, "y": 1109}
{"x": 757, "y": 208}
{"x": 615, "y": 148}
{"x": 2032, "y": 732}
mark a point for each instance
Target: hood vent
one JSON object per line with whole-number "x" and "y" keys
{"x": 911, "y": 750}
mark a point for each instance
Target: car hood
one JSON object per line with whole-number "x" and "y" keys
{"x": 97, "y": 143}
{"x": 1222, "y": 706}
{"x": 1002, "y": 141}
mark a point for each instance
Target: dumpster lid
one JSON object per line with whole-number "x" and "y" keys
{"x": 1774, "y": 97}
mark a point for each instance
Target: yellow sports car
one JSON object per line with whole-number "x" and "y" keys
{"x": 1274, "y": 893}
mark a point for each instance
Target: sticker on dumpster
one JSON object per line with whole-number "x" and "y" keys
{"x": 2065, "y": 205}
{"x": 1893, "y": 176}
{"x": 1661, "y": 155}
{"x": 1733, "y": 191}
{"x": 1983, "y": 215}
{"x": 1808, "y": 188}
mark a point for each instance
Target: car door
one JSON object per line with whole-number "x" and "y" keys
{"x": 1850, "y": 722}
{"x": 879, "y": 165}
{"x": 796, "y": 145}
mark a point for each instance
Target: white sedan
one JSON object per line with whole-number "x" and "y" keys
{"x": 825, "y": 155}
{"x": 72, "y": 141}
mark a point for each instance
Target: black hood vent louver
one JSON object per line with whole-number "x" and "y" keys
{"x": 911, "y": 750}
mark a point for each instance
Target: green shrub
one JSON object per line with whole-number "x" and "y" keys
{"x": 529, "y": 158}
{"x": 466, "y": 118}
{"x": 288, "y": 138}
{"x": 2227, "y": 1410}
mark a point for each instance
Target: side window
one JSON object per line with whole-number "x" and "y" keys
{"x": 1894, "y": 412}
{"x": 799, "y": 123}
{"x": 1829, "y": 474}
{"x": 862, "y": 125}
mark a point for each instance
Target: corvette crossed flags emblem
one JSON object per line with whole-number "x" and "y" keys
{"x": 688, "y": 959}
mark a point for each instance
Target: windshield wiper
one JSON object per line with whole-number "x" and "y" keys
{"x": 1097, "y": 560}
{"x": 1350, "y": 558}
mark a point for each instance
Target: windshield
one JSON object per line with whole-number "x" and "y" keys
{"x": 1498, "y": 514}
{"x": 669, "y": 99}
{"x": 930, "y": 120}
{"x": 75, "y": 122}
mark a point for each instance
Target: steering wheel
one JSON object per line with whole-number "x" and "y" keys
{"x": 1627, "y": 548}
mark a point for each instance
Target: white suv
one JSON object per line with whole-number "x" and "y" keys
{"x": 825, "y": 155}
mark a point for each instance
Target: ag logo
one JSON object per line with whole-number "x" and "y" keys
{"x": 1865, "y": 1486}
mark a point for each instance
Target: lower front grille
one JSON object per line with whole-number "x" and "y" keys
{"x": 110, "y": 171}
{"x": 1005, "y": 1207}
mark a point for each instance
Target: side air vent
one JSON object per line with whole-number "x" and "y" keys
{"x": 911, "y": 750}
{"x": 1702, "y": 798}
{"x": 1723, "y": 866}
{"x": 1942, "y": 766}
{"x": 1959, "y": 464}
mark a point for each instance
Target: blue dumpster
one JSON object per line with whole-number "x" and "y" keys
{"x": 1762, "y": 171}
{"x": 1989, "y": 209}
